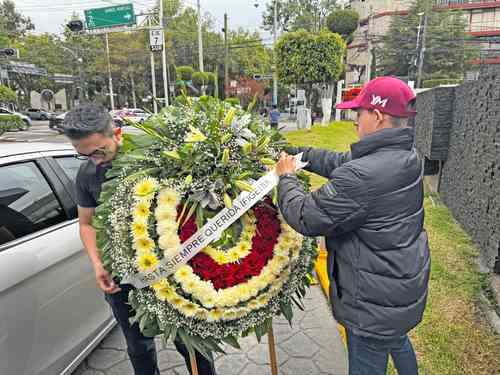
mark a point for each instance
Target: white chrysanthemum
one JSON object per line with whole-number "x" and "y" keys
{"x": 165, "y": 227}
{"x": 169, "y": 243}
{"x": 168, "y": 197}
{"x": 165, "y": 213}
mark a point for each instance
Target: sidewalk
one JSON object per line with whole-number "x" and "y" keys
{"x": 311, "y": 347}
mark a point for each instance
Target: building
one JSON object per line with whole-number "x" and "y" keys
{"x": 483, "y": 18}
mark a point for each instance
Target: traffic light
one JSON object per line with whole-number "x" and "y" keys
{"x": 9, "y": 52}
{"x": 75, "y": 26}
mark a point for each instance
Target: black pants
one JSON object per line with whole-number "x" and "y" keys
{"x": 141, "y": 349}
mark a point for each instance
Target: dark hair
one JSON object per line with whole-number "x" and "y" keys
{"x": 87, "y": 119}
{"x": 275, "y": 106}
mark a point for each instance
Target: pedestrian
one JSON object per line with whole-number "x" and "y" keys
{"x": 90, "y": 129}
{"x": 371, "y": 213}
{"x": 274, "y": 116}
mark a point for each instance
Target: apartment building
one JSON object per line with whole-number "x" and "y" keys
{"x": 483, "y": 22}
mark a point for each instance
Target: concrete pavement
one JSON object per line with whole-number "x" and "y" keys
{"x": 312, "y": 346}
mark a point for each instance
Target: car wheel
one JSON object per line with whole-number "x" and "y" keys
{"x": 25, "y": 126}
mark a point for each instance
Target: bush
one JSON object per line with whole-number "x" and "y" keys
{"x": 343, "y": 22}
{"x": 12, "y": 122}
{"x": 200, "y": 78}
{"x": 7, "y": 95}
{"x": 430, "y": 83}
{"x": 233, "y": 101}
{"x": 184, "y": 73}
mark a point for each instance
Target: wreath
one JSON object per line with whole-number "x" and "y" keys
{"x": 191, "y": 161}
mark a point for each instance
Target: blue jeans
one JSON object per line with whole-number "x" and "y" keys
{"x": 141, "y": 349}
{"x": 369, "y": 356}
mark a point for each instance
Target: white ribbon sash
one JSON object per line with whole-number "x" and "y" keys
{"x": 211, "y": 231}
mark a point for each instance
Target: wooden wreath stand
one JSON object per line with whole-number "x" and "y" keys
{"x": 272, "y": 355}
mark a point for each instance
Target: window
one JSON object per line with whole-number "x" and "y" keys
{"x": 27, "y": 203}
{"x": 70, "y": 165}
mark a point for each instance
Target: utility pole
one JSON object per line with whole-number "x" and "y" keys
{"x": 153, "y": 75}
{"x": 111, "y": 94}
{"x": 132, "y": 82}
{"x": 200, "y": 40}
{"x": 275, "y": 70}
{"x": 164, "y": 57}
{"x": 226, "y": 56}
{"x": 422, "y": 52}
{"x": 370, "y": 47}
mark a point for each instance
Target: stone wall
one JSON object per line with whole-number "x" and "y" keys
{"x": 470, "y": 177}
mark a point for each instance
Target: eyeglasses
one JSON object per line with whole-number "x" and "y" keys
{"x": 97, "y": 154}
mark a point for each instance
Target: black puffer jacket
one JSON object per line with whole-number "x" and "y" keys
{"x": 371, "y": 213}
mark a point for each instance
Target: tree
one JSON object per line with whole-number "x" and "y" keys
{"x": 343, "y": 22}
{"x": 7, "y": 95}
{"x": 299, "y": 14}
{"x": 248, "y": 55}
{"x": 447, "y": 51}
{"x": 12, "y": 23}
{"x": 184, "y": 73}
{"x": 306, "y": 58}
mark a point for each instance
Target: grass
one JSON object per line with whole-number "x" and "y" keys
{"x": 453, "y": 338}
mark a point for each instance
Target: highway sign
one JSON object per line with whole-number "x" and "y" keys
{"x": 118, "y": 15}
{"x": 156, "y": 40}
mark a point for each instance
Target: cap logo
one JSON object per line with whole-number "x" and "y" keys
{"x": 377, "y": 100}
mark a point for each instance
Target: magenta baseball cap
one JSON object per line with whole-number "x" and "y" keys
{"x": 387, "y": 94}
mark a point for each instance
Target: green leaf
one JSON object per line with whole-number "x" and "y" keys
{"x": 286, "y": 309}
{"x": 233, "y": 341}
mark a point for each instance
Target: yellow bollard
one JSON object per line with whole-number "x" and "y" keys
{"x": 321, "y": 272}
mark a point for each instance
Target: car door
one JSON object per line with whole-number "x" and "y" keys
{"x": 50, "y": 308}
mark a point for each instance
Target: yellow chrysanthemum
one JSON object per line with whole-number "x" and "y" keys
{"x": 233, "y": 255}
{"x": 201, "y": 314}
{"x": 165, "y": 293}
{"x": 189, "y": 309}
{"x": 141, "y": 211}
{"x": 230, "y": 315}
{"x": 253, "y": 305}
{"x": 178, "y": 302}
{"x": 214, "y": 315}
{"x": 194, "y": 136}
{"x": 263, "y": 299}
{"x": 139, "y": 229}
{"x": 183, "y": 274}
{"x": 147, "y": 263}
{"x": 243, "y": 292}
{"x": 219, "y": 257}
{"x": 207, "y": 301}
{"x": 189, "y": 286}
{"x": 144, "y": 245}
{"x": 162, "y": 283}
{"x": 145, "y": 187}
{"x": 168, "y": 197}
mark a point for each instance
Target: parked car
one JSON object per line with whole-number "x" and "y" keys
{"x": 55, "y": 122}
{"x": 26, "y": 120}
{"x": 38, "y": 114}
{"x": 51, "y": 312}
{"x": 130, "y": 114}
{"x": 117, "y": 119}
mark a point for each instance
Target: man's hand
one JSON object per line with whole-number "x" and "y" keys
{"x": 286, "y": 165}
{"x": 105, "y": 281}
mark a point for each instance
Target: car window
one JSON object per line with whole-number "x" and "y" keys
{"x": 4, "y": 111}
{"x": 70, "y": 165}
{"x": 27, "y": 203}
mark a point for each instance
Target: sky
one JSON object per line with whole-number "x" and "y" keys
{"x": 50, "y": 15}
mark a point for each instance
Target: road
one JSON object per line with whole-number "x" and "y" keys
{"x": 40, "y": 132}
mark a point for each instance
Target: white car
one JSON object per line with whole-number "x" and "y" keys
{"x": 51, "y": 312}
{"x": 135, "y": 115}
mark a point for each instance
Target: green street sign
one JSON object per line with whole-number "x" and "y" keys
{"x": 118, "y": 15}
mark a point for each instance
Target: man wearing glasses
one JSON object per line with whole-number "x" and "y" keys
{"x": 90, "y": 129}
{"x": 371, "y": 213}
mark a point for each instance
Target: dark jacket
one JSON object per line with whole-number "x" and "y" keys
{"x": 371, "y": 213}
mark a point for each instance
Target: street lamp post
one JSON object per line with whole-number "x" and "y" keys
{"x": 275, "y": 72}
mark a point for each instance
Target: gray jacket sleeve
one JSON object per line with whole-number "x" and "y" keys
{"x": 321, "y": 162}
{"x": 337, "y": 207}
